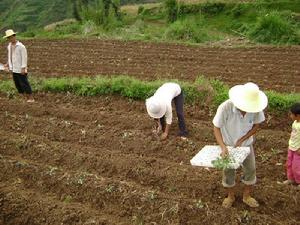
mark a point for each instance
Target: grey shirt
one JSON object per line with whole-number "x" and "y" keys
{"x": 234, "y": 125}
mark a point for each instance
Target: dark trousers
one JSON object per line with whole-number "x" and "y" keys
{"x": 178, "y": 100}
{"x": 22, "y": 83}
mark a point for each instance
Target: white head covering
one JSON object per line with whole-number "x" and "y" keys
{"x": 156, "y": 108}
{"x": 248, "y": 98}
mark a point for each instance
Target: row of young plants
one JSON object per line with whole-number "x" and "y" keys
{"x": 202, "y": 91}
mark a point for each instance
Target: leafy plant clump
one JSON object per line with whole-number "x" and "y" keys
{"x": 223, "y": 163}
{"x": 274, "y": 28}
{"x": 188, "y": 30}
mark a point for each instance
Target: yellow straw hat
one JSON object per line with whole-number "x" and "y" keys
{"x": 9, "y": 33}
{"x": 248, "y": 98}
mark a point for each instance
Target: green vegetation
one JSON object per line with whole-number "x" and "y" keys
{"x": 28, "y": 14}
{"x": 261, "y": 21}
{"x": 274, "y": 28}
{"x": 202, "y": 91}
{"x": 223, "y": 163}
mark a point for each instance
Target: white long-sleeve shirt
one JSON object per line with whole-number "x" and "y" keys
{"x": 17, "y": 57}
{"x": 167, "y": 92}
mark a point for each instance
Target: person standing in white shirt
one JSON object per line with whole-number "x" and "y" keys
{"x": 236, "y": 121}
{"x": 17, "y": 64}
{"x": 159, "y": 107}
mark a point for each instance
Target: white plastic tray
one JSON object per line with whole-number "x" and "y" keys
{"x": 211, "y": 152}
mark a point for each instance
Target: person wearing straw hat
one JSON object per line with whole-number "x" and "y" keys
{"x": 159, "y": 107}
{"x": 236, "y": 121}
{"x": 17, "y": 64}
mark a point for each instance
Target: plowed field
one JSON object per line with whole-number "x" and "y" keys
{"x": 275, "y": 68}
{"x": 94, "y": 160}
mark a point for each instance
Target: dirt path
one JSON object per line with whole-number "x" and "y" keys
{"x": 74, "y": 160}
{"x": 275, "y": 68}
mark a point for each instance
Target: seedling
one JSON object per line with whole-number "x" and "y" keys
{"x": 223, "y": 163}
{"x": 264, "y": 157}
{"x": 172, "y": 189}
{"x": 151, "y": 195}
{"x": 22, "y": 143}
{"x": 111, "y": 188}
{"x": 68, "y": 199}
{"x": 245, "y": 217}
{"x": 10, "y": 94}
{"x": 81, "y": 178}
{"x": 275, "y": 151}
{"x": 174, "y": 209}
{"x": 126, "y": 135}
{"x": 52, "y": 170}
{"x": 138, "y": 219}
{"x": 199, "y": 204}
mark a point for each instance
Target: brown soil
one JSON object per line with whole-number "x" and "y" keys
{"x": 275, "y": 68}
{"x": 94, "y": 160}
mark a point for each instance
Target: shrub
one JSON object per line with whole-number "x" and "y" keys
{"x": 171, "y": 8}
{"x": 281, "y": 102}
{"x": 239, "y": 10}
{"x": 141, "y": 9}
{"x": 213, "y": 8}
{"x": 186, "y": 9}
{"x": 273, "y": 28}
{"x": 187, "y": 30}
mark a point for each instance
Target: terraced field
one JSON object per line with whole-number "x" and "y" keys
{"x": 94, "y": 160}
{"x": 275, "y": 68}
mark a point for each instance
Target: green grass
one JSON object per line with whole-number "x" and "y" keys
{"x": 202, "y": 92}
{"x": 274, "y": 28}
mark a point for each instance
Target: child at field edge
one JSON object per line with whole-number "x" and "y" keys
{"x": 293, "y": 158}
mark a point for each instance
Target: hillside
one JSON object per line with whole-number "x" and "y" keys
{"x": 23, "y": 14}
{"x": 30, "y": 13}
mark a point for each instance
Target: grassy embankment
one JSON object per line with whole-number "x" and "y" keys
{"x": 202, "y": 91}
